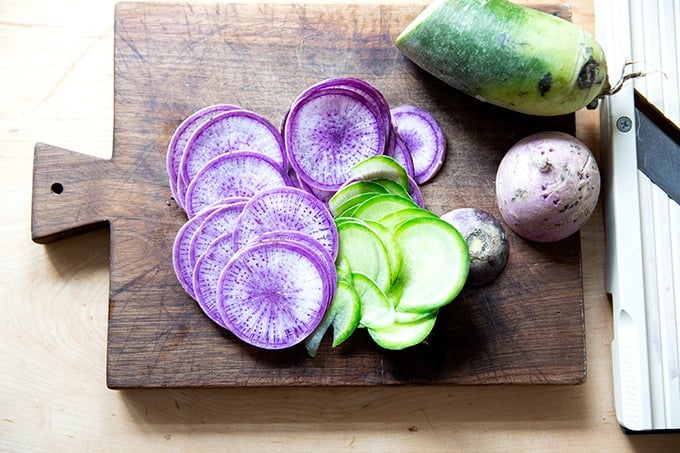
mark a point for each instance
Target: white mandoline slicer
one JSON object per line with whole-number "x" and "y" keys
{"x": 641, "y": 196}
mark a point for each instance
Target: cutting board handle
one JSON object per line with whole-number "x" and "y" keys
{"x": 69, "y": 194}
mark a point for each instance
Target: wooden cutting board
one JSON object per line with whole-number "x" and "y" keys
{"x": 172, "y": 59}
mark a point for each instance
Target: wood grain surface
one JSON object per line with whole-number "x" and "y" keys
{"x": 170, "y": 60}
{"x": 56, "y": 86}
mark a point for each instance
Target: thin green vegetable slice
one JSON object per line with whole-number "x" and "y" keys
{"x": 396, "y": 218}
{"x": 351, "y": 190}
{"x": 379, "y": 206}
{"x": 377, "y": 311}
{"x": 392, "y": 247}
{"x": 380, "y": 167}
{"x": 343, "y": 315}
{"x": 347, "y": 207}
{"x": 393, "y": 187}
{"x": 436, "y": 264}
{"x": 364, "y": 252}
{"x": 403, "y": 335}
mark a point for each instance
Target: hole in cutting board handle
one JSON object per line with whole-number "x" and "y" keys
{"x": 57, "y": 188}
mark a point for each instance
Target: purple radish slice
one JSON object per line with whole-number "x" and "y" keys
{"x": 221, "y": 220}
{"x": 359, "y": 86}
{"x": 180, "y": 138}
{"x": 402, "y": 154}
{"x": 424, "y": 139}
{"x": 313, "y": 244}
{"x": 286, "y": 208}
{"x": 236, "y": 174}
{"x": 181, "y": 249}
{"x": 328, "y": 132}
{"x": 206, "y": 275}
{"x": 273, "y": 294}
{"x": 236, "y": 130}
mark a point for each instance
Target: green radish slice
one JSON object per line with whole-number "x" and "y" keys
{"x": 347, "y": 192}
{"x": 403, "y": 317}
{"x": 380, "y": 167}
{"x": 393, "y": 187}
{"x": 436, "y": 264}
{"x": 403, "y": 335}
{"x": 377, "y": 311}
{"x": 347, "y": 208}
{"x": 392, "y": 247}
{"x": 343, "y": 315}
{"x": 381, "y": 205}
{"x": 396, "y": 218}
{"x": 364, "y": 251}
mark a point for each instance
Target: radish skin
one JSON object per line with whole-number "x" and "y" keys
{"x": 547, "y": 186}
{"x": 508, "y": 55}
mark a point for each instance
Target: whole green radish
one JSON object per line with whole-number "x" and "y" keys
{"x": 508, "y": 55}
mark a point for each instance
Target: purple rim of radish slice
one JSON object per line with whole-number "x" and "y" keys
{"x": 402, "y": 155}
{"x": 206, "y": 275}
{"x": 273, "y": 294}
{"x": 322, "y": 195}
{"x": 328, "y": 132}
{"x": 221, "y": 220}
{"x": 181, "y": 136}
{"x": 236, "y": 174}
{"x": 424, "y": 139}
{"x": 235, "y": 130}
{"x": 286, "y": 208}
{"x": 415, "y": 192}
{"x": 181, "y": 250}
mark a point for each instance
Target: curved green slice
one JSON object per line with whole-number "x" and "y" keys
{"x": 393, "y": 187}
{"x": 343, "y": 314}
{"x": 346, "y": 208}
{"x": 392, "y": 247}
{"x": 376, "y": 310}
{"x": 436, "y": 264}
{"x": 396, "y": 218}
{"x": 403, "y": 335}
{"x": 336, "y": 202}
{"x": 379, "y": 206}
{"x": 364, "y": 251}
{"x": 380, "y": 167}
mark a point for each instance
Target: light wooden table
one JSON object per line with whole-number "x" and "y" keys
{"x": 56, "y": 86}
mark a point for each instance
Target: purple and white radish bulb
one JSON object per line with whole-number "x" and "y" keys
{"x": 547, "y": 186}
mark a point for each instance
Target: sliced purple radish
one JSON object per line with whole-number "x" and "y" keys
{"x": 181, "y": 250}
{"x": 180, "y": 138}
{"x": 235, "y": 130}
{"x": 311, "y": 243}
{"x": 273, "y": 294}
{"x": 206, "y": 275}
{"x": 424, "y": 139}
{"x": 328, "y": 132}
{"x": 361, "y": 87}
{"x": 402, "y": 155}
{"x": 286, "y": 208}
{"x": 236, "y": 174}
{"x": 221, "y": 220}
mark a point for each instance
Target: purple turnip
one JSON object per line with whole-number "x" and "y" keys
{"x": 487, "y": 243}
{"x": 547, "y": 186}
